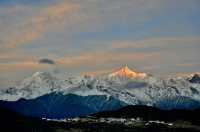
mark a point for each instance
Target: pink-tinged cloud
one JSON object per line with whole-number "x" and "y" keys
{"x": 104, "y": 57}
{"x": 97, "y": 72}
{"x": 155, "y": 42}
{"x": 16, "y": 56}
{"x": 48, "y": 17}
{"x": 188, "y": 64}
{"x": 26, "y": 66}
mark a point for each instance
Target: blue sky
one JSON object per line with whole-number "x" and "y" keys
{"x": 97, "y": 36}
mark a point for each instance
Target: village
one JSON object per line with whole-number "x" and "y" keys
{"x": 123, "y": 121}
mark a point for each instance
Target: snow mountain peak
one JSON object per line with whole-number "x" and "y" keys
{"x": 127, "y": 73}
{"x": 125, "y": 85}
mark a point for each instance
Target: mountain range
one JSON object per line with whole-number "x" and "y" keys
{"x": 45, "y": 95}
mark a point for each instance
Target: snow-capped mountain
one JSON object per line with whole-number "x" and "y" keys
{"x": 124, "y": 85}
{"x": 38, "y": 84}
{"x": 127, "y": 73}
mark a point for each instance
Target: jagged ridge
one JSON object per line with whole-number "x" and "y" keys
{"x": 167, "y": 93}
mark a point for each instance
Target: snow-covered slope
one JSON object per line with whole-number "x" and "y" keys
{"x": 127, "y": 73}
{"x": 125, "y": 85}
{"x": 38, "y": 84}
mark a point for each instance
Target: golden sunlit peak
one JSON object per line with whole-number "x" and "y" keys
{"x": 126, "y": 72}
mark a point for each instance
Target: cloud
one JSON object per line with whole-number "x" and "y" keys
{"x": 156, "y": 42}
{"x": 98, "y": 72}
{"x": 46, "y": 61}
{"x": 17, "y": 61}
{"x": 17, "y": 66}
{"x": 37, "y": 25}
{"x": 95, "y": 59}
{"x": 97, "y": 16}
{"x": 77, "y": 16}
{"x": 190, "y": 65}
{"x": 139, "y": 51}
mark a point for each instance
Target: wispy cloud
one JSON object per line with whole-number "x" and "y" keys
{"x": 104, "y": 58}
{"x": 97, "y": 72}
{"x": 190, "y": 65}
{"x": 19, "y": 66}
{"x": 34, "y": 28}
{"x": 156, "y": 42}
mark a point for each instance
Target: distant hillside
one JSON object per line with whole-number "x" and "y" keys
{"x": 152, "y": 113}
{"x": 13, "y": 122}
{"x": 57, "y": 105}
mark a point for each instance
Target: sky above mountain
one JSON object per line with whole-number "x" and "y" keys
{"x": 96, "y": 36}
